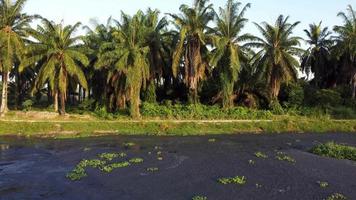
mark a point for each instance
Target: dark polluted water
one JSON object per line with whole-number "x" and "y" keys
{"x": 176, "y": 168}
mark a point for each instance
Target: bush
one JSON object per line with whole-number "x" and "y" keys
{"x": 27, "y": 105}
{"x": 179, "y": 111}
{"x": 101, "y": 112}
{"x": 342, "y": 112}
{"x": 327, "y": 98}
{"x": 276, "y": 108}
{"x": 87, "y": 104}
{"x": 292, "y": 95}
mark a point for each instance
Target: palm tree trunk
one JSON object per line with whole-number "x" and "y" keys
{"x": 275, "y": 87}
{"x": 55, "y": 101}
{"x": 353, "y": 84}
{"x": 63, "y": 104}
{"x": 5, "y": 79}
{"x": 135, "y": 103}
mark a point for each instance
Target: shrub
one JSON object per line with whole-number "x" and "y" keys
{"x": 87, "y": 104}
{"x": 327, "y": 98}
{"x": 276, "y": 108}
{"x": 292, "y": 95}
{"x": 179, "y": 111}
{"x": 27, "y": 105}
{"x": 342, "y": 112}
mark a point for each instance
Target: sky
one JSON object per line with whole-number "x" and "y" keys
{"x": 306, "y": 11}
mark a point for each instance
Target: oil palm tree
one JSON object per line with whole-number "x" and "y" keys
{"x": 276, "y": 54}
{"x": 156, "y": 31}
{"x": 346, "y": 47}
{"x": 316, "y": 58}
{"x": 192, "y": 24}
{"x": 13, "y": 24}
{"x": 127, "y": 56}
{"x": 59, "y": 55}
{"x": 96, "y": 36}
{"x": 228, "y": 51}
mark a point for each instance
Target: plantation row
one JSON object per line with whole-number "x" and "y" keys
{"x": 198, "y": 56}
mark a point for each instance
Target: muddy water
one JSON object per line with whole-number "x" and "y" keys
{"x": 187, "y": 166}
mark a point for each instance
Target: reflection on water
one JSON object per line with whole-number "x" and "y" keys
{"x": 4, "y": 147}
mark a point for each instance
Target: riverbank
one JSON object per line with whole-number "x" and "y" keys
{"x": 71, "y": 126}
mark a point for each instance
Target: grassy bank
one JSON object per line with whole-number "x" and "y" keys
{"x": 83, "y": 127}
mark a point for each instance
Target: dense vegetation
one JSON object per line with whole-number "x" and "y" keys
{"x": 193, "y": 64}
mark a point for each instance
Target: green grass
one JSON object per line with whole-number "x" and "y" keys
{"x": 334, "y": 150}
{"x": 77, "y": 128}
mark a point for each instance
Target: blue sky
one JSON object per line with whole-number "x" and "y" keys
{"x": 306, "y": 11}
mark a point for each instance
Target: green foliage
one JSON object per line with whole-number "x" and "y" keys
{"x": 292, "y": 95}
{"x": 278, "y": 64}
{"x": 129, "y": 144}
{"x": 152, "y": 169}
{"x": 239, "y": 180}
{"x": 109, "y": 168}
{"x": 276, "y": 108}
{"x": 337, "y": 196}
{"x": 343, "y": 112}
{"x": 136, "y": 160}
{"x": 323, "y": 184}
{"x": 261, "y": 155}
{"x": 212, "y": 140}
{"x": 150, "y": 93}
{"x": 227, "y": 53}
{"x": 192, "y": 24}
{"x": 27, "y": 105}
{"x": 59, "y": 57}
{"x": 284, "y": 157}
{"x": 200, "y": 111}
{"x": 327, "y": 98}
{"x": 87, "y": 105}
{"x": 334, "y": 150}
{"x": 200, "y": 198}
{"x": 79, "y": 171}
{"x": 111, "y": 156}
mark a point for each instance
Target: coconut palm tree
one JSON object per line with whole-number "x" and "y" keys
{"x": 316, "y": 58}
{"x": 13, "y": 24}
{"x": 276, "y": 53}
{"x": 192, "y": 24}
{"x": 127, "y": 56}
{"x": 345, "y": 48}
{"x": 228, "y": 50}
{"x": 59, "y": 55}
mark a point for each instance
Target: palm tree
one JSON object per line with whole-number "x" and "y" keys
{"x": 227, "y": 53}
{"x": 276, "y": 55}
{"x": 346, "y": 47}
{"x": 316, "y": 58}
{"x": 127, "y": 56}
{"x": 192, "y": 24}
{"x": 93, "y": 40}
{"x": 59, "y": 55}
{"x": 12, "y": 28}
{"x": 155, "y": 39}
